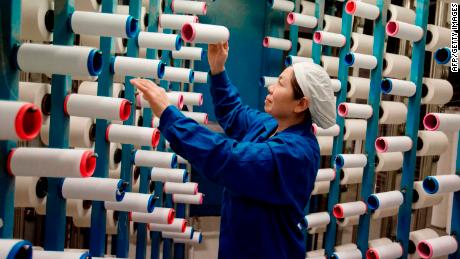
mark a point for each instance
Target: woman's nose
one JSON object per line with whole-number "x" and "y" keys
{"x": 270, "y": 88}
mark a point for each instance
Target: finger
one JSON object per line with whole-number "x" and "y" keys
{"x": 226, "y": 45}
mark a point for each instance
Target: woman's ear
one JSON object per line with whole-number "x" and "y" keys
{"x": 302, "y": 105}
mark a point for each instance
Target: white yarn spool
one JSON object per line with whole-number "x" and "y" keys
{"x": 331, "y": 131}
{"x": 422, "y": 199}
{"x": 346, "y": 222}
{"x": 277, "y": 43}
{"x": 436, "y": 91}
{"x": 149, "y": 158}
{"x": 354, "y": 129}
{"x": 345, "y": 247}
{"x": 81, "y": 132}
{"x": 93, "y": 188}
{"x": 178, "y": 74}
{"x": 29, "y": 192}
{"x": 362, "y": 9}
{"x": 325, "y": 174}
{"x": 318, "y": 219}
{"x": 177, "y": 225}
{"x": 282, "y": 5}
{"x": 438, "y": 246}
{"x": 307, "y": 8}
{"x": 60, "y": 255}
{"x": 383, "y": 213}
{"x": 355, "y": 110}
{"x": 156, "y": 40}
{"x": 332, "y": 24}
{"x": 416, "y": 236}
{"x": 399, "y": 13}
{"x": 204, "y": 33}
{"x": 168, "y": 175}
{"x": 159, "y": 216}
{"x": 20, "y": 120}
{"x": 197, "y": 238}
{"x": 349, "y": 209}
{"x": 392, "y": 112}
{"x": 321, "y": 187}
{"x": 180, "y": 188}
{"x": 361, "y": 43}
{"x": 398, "y": 87}
{"x": 389, "y": 251}
{"x": 189, "y": 7}
{"x": 336, "y": 85}
{"x": 404, "y": 31}
{"x": 290, "y": 60}
{"x": 442, "y": 122}
{"x": 396, "y": 66}
{"x": 187, "y": 234}
{"x": 325, "y": 145}
{"x": 97, "y": 107}
{"x": 94, "y": 41}
{"x": 393, "y": 144}
{"x": 36, "y": 93}
{"x": 196, "y": 199}
{"x": 138, "y": 67}
{"x": 267, "y": 81}
{"x": 351, "y": 175}
{"x": 90, "y": 88}
{"x": 378, "y": 242}
{"x": 191, "y": 98}
{"x": 331, "y": 65}
{"x": 175, "y": 21}
{"x": 359, "y": 60}
{"x": 15, "y": 248}
{"x": 389, "y": 161}
{"x": 175, "y": 98}
{"x": 200, "y": 117}
{"x": 441, "y": 184}
{"x": 350, "y": 160}
{"x": 329, "y": 39}
{"x": 385, "y": 200}
{"x": 348, "y": 254}
{"x": 104, "y": 24}
{"x": 127, "y": 134}
{"x": 305, "y": 47}
{"x": 139, "y": 202}
{"x": 201, "y": 77}
{"x": 302, "y": 20}
{"x": 58, "y": 162}
{"x": 37, "y": 20}
{"x": 88, "y": 5}
{"x": 431, "y": 143}
{"x": 358, "y": 87}
{"x": 62, "y": 60}
{"x": 189, "y": 53}
{"x": 437, "y": 37}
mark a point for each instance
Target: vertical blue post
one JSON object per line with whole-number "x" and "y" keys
{"x": 412, "y": 126}
{"x": 455, "y": 224}
{"x": 104, "y": 88}
{"x": 319, "y": 14}
{"x": 59, "y": 130}
{"x": 127, "y": 149}
{"x": 334, "y": 191}
{"x": 294, "y": 31}
{"x": 367, "y": 185}
{"x": 10, "y": 17}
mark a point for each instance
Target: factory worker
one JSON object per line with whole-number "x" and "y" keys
{"x": 267, "y": 162}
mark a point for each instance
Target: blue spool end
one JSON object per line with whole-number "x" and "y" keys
{"x": 373, "y": 202}
{"x": 349, "y": 59}
{"x": 288, "y": 61}
{"x": 151, "y": 204}
{"x": 85, "y": 255}
{"x": 200, "y": 238}
{"x": 112, "y": 64}
{"x": 132, "y": 27}
{"x": 262, "y": 81}
{"x": 22, "y": 249}
{"x": 121, "y": 188}
{"x": 339, "y": 162}
{"x": 191, "y": 233}
{"x": 430, "y": 185}
{"x": 442, "y": 55}
{"x": 161, "y": 69}
{"x": 203, "y": 54}
{"x": 185, "y": 177}
{"x": 94, "y": 63}
{"x": 179, "y": 42}
{"x": 191, "y": 76}
{"x": 174, "y": 161}
{"x": 386, "y": 86}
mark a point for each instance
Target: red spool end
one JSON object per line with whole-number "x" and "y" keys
{"x": 290, "y": 19}
{"x": 350, "y": 7}
{"x": 431, "y": 121}
{"x": 206, "y": 119}
{"x": 65, "y": 104}
{"x": 87, "y": 164}
{"x": 205, "y": 8}
{"x": 342, "y": 110}
{"x": 180, "y": 102}
{"x": 266, "y": 42}
{"x": 201, "y": 198}
{"x": 372, "y": 254}
{"x": 28, "y": 122}
{"x": 392, "y": 28}
{"x": 337, "y": 211}
{"x": 8, "y": 162}
{"x": 155, "y": 138}
{"x": 171, "y": 215}
{"x": 188, "y": 32}
{"x": 196, "y": 189}
{"x": 184, "y": 225}
{"x": 314, "y": 128}
{"x": 125, "y": 110}
{"x": 424, "y": 249}
{"x": 317, "y": 37}
{"x": 107, "y": 133}
{"x": 381, "y": 145}
{"x": 200, "y": 102}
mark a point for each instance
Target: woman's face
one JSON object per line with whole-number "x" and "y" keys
{"x": 280, "y": 102}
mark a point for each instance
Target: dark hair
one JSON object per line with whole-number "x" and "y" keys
{"x": 298, "y": 94}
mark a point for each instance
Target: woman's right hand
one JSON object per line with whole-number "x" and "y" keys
{"x": 217, "y": 56}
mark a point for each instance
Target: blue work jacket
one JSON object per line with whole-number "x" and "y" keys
{"x": 267, "y": 180}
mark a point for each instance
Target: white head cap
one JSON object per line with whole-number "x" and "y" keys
{"x": 316, "y": 86}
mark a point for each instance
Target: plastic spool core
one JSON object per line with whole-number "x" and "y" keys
{"x": 41, "y": 189}
{"x": 290, "y": 18}
{"x": 317, "y": 37}
{"x": 381, "y": 145}
{"x": 155, "y": 138}
{"x": 28, "y": 122}
{"x": 373, "y": 202}
{"x": 372, "y": 254}
{"x": 415, "y": 198}
{"x": 49, "y": 20}
{"x": 381, "y": 112}
{"x": 342, "y": 109}
{"x": 95, "y": 62}
{"x": 161, "y": 70}
{"x": 24, "y": 252}
{"x": 339, "y": 161}
{"x": 442, "y": 55}
{"x": 424, "y": 90}
{"x": 429, "y": 37}
{"x": 424, "y": 249}
{"x": 349, "y": 59}
{"x": 266, "y": 42}
{"x": 430, "y": 185}
{"x": 392, "y": 28}
{"x": 46, "y": 104}
{"x": 92, "y": 132}
{"x": 386, "y": 85}
{"x": 188, "y": 32}
{"x": 419, "y": 143}
{"x": 117, "y": 156}
{"x": 348, "y": 86}
{"x": 337, "y": 211}
{"x": 350, "y": 7}
{"x": 385, "y": 64}
{"x": 87, "y": 164}
{"x": 125, "y": 110}
{"x": 431, "y": 122}
{"x": 342, "y": 175}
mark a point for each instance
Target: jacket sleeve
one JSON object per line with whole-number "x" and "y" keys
{"x": 234, "y": 117}
{"x": 243, "y": 168}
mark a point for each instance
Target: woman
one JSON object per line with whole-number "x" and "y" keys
{"x": 268, "y": 162}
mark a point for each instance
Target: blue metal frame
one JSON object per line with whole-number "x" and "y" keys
{"x": 59, "y": 131}
{"x": 334, "y": 190}
{"x": 412, "y": 126}
{"x": 455, "y": 223}
{"x": 294, "y": 31}
{"x": 10, "y": 17}
{"x": 105, "y": 86}
{"x": 319, "y": 14}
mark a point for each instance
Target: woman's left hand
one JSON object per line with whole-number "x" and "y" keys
{"x": 155, "y": 95}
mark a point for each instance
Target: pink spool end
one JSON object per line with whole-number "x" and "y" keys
{"x": 184, "y": 225}
{"x": 201, "y": 198}
{"x": 431, "y": 121}
{"x": 392, "y": 28}
{"x": 200, "y": 102}
{"x": 337, "y": 211}
{"x": 155, "y": 138}
{"x": 87, "y": 164}
{"x": 125, "y": 110}
{"x": 8, "y": 162}
{"x": 28, "y": 122}
{"x": 381, "y": 145}
{"x": 317, "y": 37}
{"x": 205, "y": 9}
{"x": 266, "y": 42}
{"x": 107, "y": 132}
{"x": 196, "y": 189}
{"x": 206, "y": 119}
{"x": 372, "y": 254}
{"x": 314, "y": 129}
{"x": 290, "y": 19}
{"x": 342, "y": 110}
{"x": 180, "y": 102}
{"x": 350, "y": 7}
{"x": 188, "y": 32}
{"x": 424, "y": 249}
{"x": 171, "y": 216}
{"x": 65, "y": 104}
